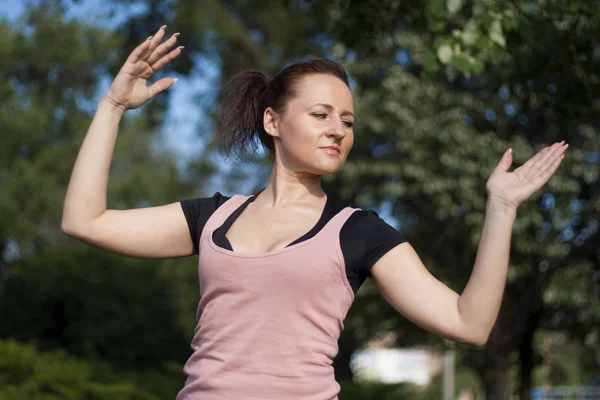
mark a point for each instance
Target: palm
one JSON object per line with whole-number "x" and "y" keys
{"x": 129, "y": 89}
{"x": 132, "y": 79}
{"x": 513, "y": 188}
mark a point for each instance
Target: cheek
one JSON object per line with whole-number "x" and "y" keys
{"x": 349, "y": 141}
{"x": 300, "y": 143}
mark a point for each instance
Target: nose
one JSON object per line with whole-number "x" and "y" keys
{"x": 336, "y": 129}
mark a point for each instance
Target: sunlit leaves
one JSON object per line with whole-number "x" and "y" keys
{"x": 28, "y": 373}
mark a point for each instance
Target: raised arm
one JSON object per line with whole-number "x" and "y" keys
{"x": 153, "y": 232}
{"x": 406, "y": 284}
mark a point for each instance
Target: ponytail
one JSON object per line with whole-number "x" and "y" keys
{"x": 242, "y": 117}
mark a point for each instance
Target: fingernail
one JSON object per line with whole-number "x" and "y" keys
{"x": 510, "y": 150}
{"x": 150, "y": 37}
{"x": 175, "y": 80}
{"x": 176, "y": 34}
{"x": 181, "y": 47}
{"x": 163, "y": 27}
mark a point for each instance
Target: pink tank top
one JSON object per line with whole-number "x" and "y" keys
{"x": 268, "y": 323}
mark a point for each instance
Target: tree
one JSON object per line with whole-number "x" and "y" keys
{"x": 51, "y": 72}
{"x": 87, "y": 302}
{"x": 431, "y": 136}
{"x": 57, "y": 293}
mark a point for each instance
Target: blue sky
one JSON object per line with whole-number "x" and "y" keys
{"x": 11, "y": 8}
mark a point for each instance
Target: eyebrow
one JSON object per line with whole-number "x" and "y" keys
{"x": 330, "y": 108}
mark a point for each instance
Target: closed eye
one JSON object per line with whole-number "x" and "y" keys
{"x": 347, "y": 124}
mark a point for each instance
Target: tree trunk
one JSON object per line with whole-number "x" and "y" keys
{"x": 526, "y": 355}
{"x": 496, "y": 379}
{"x": 526, "y": 360}
{"x": 3, "y": 266}
{"x": 341, "y": 365}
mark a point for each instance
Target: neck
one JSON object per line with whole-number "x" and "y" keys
{"x": 287, "y": 187}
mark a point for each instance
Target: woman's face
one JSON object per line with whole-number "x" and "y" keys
{"x": 319, "y": 117}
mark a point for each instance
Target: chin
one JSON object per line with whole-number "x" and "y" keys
{"x": 326, "y": 169}
{"x": 318, "y": 166}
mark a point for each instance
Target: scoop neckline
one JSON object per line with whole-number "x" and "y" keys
{"x": 274, "y": 252}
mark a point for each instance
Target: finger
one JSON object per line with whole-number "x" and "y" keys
{"x": 167, "y": 59}
{"x": 505, "y": 161}
{"x": 161, "y": 85}
{"x": 554, "y": 152}
{"x": 544, "y": 175}
{"x": 162, "y": 49}
{"x": 534, "y": 167}
{"x": 541, "y": 156}
{"x": 147, "y": 46}
{"x": 157, "y": 38}
{"x": 140, "y": 52}
{"x": 537, "y": 156}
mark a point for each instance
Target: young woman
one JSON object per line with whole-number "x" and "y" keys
{"x": 279, "y": 269}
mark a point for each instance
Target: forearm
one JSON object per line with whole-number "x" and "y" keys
{"x": 86, "y": 194}
{"x": 479, "y": 304}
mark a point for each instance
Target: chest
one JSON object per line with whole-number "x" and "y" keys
{"x": 262, "y": 229}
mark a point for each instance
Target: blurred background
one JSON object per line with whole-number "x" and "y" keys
{"x": 442, "y": 88}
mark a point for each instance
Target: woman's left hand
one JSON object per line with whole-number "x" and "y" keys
{"x": 507, "y": 190}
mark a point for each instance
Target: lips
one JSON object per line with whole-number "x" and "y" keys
{"x": 335, "y": 149}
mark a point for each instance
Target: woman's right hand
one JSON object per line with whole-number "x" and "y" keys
{"x": 129, "y": 89}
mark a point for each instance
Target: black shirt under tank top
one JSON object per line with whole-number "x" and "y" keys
{"x": 364, "y": 237}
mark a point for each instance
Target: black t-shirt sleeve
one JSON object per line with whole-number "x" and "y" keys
{"x": 381, "y": 238}
{"x": 198, "y": 211}
{"x": 364, "y": 239}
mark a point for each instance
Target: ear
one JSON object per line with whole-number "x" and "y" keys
{"x": 270, "y": 120}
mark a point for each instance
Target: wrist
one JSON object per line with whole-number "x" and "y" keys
{"x": 108, "y": 105}
{"x": 498, "y": 206}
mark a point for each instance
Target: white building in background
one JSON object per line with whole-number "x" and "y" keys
{"x": 396, "y": 365}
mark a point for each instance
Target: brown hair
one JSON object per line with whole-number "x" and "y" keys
{"x": 248, "y": 94}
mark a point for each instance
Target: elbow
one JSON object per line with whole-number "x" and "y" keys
{"x": 68, "y": 223}
{"x": 72, "y": 228}
{"x": 479, "y": 339}
{"x": 68, "y": 228}
{"x": 474, "y": 332}
{"x": 77, "y": 227}
{"x": 473, "y": 337}
{"x": 473, "y": 341}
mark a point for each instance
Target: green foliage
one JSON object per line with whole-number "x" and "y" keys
{"x": 94, "y": 305}
{"x": 138, "y": 315}
{"x": 26, "y": 373}
{"x": 377, "y": 391}
{"x": 85, "y": 301}
{"x": 465, "y": 383}
{"x": 426, "y": 143}
{"x": 46, "y": 76}
{"x": 50, "y": 77}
